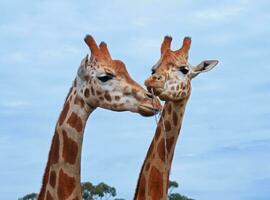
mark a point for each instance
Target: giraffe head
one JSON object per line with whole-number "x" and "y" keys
{"x": 104, "y": 82}
{"x": 171, "y": 75}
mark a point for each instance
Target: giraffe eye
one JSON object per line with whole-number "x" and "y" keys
{"x": 153, "y": 71}
{"x": 106, "y": 77}
{"x": 183, "y": 69}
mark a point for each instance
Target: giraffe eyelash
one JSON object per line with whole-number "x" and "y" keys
{"x": 106, "y": 77}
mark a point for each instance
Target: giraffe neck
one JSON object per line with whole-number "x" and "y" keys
{"x": 61, "y": 179}
{"x": 154, "y": 176}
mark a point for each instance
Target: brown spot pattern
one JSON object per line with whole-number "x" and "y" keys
{"x": 161, "y": 147}
{"x": 169, "y": 109}
{"x": 79, "y": 101}
{"x": 127, "y": 93}
{"x": 64, "y": 113}
{"x": 141, "y": 192}
{"x": 92, "y": 91}
{"x": 117, "y": 98}
{"x": 70, "y": 99}
{"x": 181, "y": 114}
{"x": 98, "y": 92}
{"x": 70, "y": 149}
{"x": 107, "y": 96}
{"x": 87, "y": 77}
{"x": 170, "y": 142}
{"x": 175, "y": 119}
{"x": 66, "y": 185}
{"x": 147, "y": 166}
{"x": 53, "y": 158}
{"x": 101, "y": 98}
{"x": 75, "y": 122}
{"x": 86, "y": 92}
{"x": 167, "y": 125}
{"x": 155, "y": 184}
{"x": 52, "y": 178}
{"x": 158, "y": 132}
{"x": 161, "y": 150}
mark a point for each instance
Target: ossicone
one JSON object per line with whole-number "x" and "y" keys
{"x": 91, "y": 43}
{"x": 104, "y": 50}
{"x": 186, "y": 45}
{"x": 166, "y": 44}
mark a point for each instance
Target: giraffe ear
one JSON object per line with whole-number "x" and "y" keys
{"x": 204, "y": 66}
{"x": 82, "y": 69}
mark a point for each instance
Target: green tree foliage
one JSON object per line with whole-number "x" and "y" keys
{"x": 176, "y": 196}
{"x": 88, "y": 190}
{"x": 173, "y": 184}
{"x": 101, "y": 191}
{"x": 32, "y": 196}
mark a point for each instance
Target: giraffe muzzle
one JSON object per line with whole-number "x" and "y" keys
{"x": 151, "y": 107}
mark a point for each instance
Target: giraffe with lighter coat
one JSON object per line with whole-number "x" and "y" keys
{"x": 100, "y": 82}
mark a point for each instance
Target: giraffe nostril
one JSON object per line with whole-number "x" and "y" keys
{"x": 159, "y": 78}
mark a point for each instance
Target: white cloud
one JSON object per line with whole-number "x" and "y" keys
{"x": 62, "y": 52}
{"x": 143, "y": 47}
{"x": 15, "y": 57}
{"x": 217, "y": 14}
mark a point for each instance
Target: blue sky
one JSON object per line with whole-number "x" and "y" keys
{"x": 223, "y": 151}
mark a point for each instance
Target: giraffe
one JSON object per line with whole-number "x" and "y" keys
{"x": 171, "y": 82}
{"x": 100, "y": 82}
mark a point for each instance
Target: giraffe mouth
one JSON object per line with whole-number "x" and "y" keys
{"x": 156, "y": 90}
{"x": 145, "y": 110}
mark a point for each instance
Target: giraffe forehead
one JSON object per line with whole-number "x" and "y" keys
{"x": 121, "y": 71}
{"x": 116, "y": 67}
{"x": 170, "y": 59}
{"x": 119, "y": 68}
